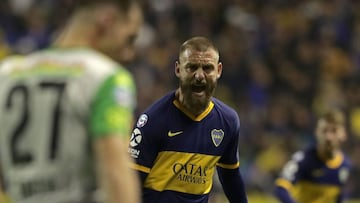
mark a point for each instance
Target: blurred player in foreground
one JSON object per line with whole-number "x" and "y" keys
{"x": 66, "y": 112}
{"x": 318, "y": 173}
{"x": 181, "y": 139}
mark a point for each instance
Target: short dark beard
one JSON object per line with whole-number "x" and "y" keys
{"x": 196, "y": 106}
{"x": 325, "y": 153}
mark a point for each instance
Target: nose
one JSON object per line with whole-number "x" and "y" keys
{"x": 199, "y": 74}
{"x": 127, "y": 55}
{"x": 329, "y": 136}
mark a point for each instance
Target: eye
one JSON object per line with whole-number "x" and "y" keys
{"x": 131, "y": 39}
{"x": 191, "y": 67}
{"x": 208, "y": 68}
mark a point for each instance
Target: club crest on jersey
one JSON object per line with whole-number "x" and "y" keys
{"x": 217, "y": 136}
{"x": 142, "y": 120}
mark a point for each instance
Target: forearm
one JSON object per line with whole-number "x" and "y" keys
{"x": 340, "y": 199}
{"x": 3, "y": 197}
{"x": 232, "y": 184}
{"x": 283, "y": 195}
{"x": 118, "y": 181}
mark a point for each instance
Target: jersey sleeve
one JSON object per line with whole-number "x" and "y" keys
{"x": 144, "y": 144}
{"x": 113, "y": 105}
{"x": 230, "y": 158}
{"x": 292, "y": 171}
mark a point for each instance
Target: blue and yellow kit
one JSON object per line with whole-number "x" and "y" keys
{"x": 309, "y": 179}
{"x": 178, "y": 153}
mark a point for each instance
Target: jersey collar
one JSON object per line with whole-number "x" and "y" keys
{"x": 190, "y": 115}
{"x": 336, "y": 161}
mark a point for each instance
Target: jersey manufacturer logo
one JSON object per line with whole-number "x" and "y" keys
{"x": 172, "y": 134}
{"x": 318, "y": 172}
{"x": 217, "y": 136}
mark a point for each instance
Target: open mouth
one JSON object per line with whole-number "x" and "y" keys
{"x": 198, "y": 88}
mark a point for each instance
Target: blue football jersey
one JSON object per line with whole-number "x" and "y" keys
{"x": 309, "y": 179}
{"x": 180, "y": 152}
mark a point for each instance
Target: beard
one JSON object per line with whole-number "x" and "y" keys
{"x": 192, "y": 100}
{"x": 327, "y": 150}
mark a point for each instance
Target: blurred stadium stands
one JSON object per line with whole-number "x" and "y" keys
{"x": 284, "y": 62}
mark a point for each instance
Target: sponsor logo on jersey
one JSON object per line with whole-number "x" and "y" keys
{"x": 135, "y": 137}
{"x": 142, "y": 121}
{"x": 135, "y": 141}
{"x": 190, "y": 172}
{"x": 134, "y": 152}
{"x": 172, "y": 134}
{"x": 217, "y": 136}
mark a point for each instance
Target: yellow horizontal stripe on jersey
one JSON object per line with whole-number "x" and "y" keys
{"x": 140, "y": 168}
{"x": 229, "y": 166}
{"x": 284, "y": 183}
{"x": 182, "y": 172}
{"x": 306, "y": 191}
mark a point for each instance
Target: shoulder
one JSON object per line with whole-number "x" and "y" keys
{"x": 224, "y": 109}
{"x": 300, "y": 157}
{"x": 156, "y": 112}
{"x": 161, "y": 104}
{"x": 347, "y": 162}
{"x": 227, "y": 112}
{"x": 93, "y": 60}
{"x": 11, "y": 62}
{"x": 304, "y": 154}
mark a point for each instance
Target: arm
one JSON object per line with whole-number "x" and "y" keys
{"x": 111, "y": 117}
{"x": 283, "y": 194}
{"x": 1, "y": 192}
{"x": 289, "y": 175}
{"x": 340, "y": 199}
{"x": 343, "y": 194}
{"x": 3, "y": 197}
{"x": 228, "y": 167}
{"x": 232, "y": 184}
{"x": 116, "y": 178}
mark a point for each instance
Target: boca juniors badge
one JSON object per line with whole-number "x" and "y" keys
{"x": 217, "y": 136}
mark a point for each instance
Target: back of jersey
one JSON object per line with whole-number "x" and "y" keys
{"x": 45, "y": 153}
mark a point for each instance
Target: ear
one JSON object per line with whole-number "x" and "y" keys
{"x": 342, "y": 134}
{"x": 177, "y": 69}
{"x": 105, "y": 19}
{"x": 219, "y": 70}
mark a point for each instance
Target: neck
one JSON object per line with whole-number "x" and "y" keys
{"x": 193, "y": 109}
{"x": 77, "y": 33}
{"x": 326, "y": 155}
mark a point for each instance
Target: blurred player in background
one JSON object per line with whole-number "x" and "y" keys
{"x": 318, "y": 173}
{"x": 181, "y": 139}
{"x": 66, "y": 112}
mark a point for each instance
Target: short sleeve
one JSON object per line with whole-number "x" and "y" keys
{"x": 230, "y": 158}
{"x": 113, "y": 105}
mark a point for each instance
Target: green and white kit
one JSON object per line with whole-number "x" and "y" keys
{"x": 51, "y": 103}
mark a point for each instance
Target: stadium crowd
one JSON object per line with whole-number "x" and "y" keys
{"x": 284, "y": 62}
